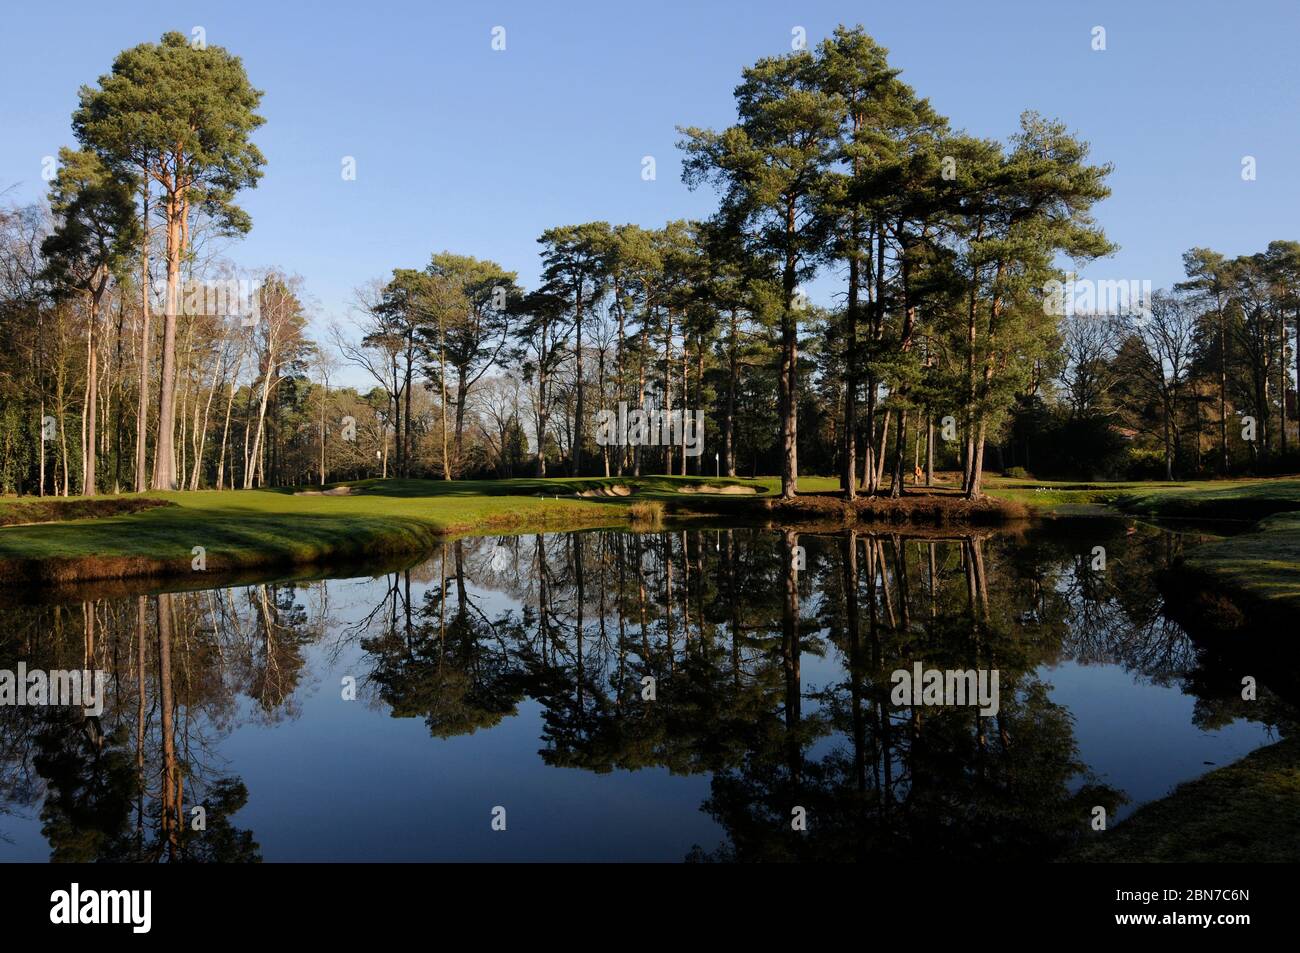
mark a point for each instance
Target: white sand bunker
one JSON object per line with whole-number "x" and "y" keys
{"x": 730, "y": 489}
{"x": 618, "y": 490}
{"x": 333, "y": 491}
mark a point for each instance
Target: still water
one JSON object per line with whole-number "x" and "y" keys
{"x": 607, "y": 695}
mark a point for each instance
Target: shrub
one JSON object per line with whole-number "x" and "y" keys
{"x": 646, "y": 511}
{"x": 1145, "y": 463}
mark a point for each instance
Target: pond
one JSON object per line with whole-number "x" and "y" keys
{"x": 683, "y": 694}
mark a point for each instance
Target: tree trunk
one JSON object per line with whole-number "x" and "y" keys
{"x": 685, "y": 397}
{"x": 789, "y": 370}
{"x": 142, "y": 412}
{"x": 900, "y": 453}
{"x": 729, "y": 418}
{"x": 977, "y": 467}
{"x": 668, "y": 389}
{"x": 462, "y": 395}
{"x": 92, "y": 399}
{"x": 442, "y": 374}
{"x": 164, "y": 458}
{"x": 256, "y": 456}
{"x": 929, "y": 450}
{"x": 579, "y": 408}
{"x": 848, "y": 475}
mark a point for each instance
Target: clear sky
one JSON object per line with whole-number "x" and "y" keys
{"x": 463, "y": 148}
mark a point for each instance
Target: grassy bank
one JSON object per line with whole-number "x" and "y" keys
{"x": 16, "y": 512}
{"x": 156, "y": 534}
{"x": 1259, "y": 569}
{"x": 1244, "y": 813}
{"x": 1210, "y": 499}
{"x": 274, "y": 528}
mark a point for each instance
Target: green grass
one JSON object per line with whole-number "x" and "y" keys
{"x": 247, "y": 528}
{"x": 1244, "y": 813}
{"x": 1262, "y": 565}
{"x": 1210, "y": 499}
{"x": 251, "y": 528}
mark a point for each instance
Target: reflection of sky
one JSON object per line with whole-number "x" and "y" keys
{"x": 1139, "y": 737}
{"x": 345, "y": 781}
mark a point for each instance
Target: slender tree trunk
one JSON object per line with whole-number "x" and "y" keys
{"x": 977, "y": 466}
{"x": 142, "y": 411}
{"x": 203, "y": 434}
{"x": 929, "y": 450}
{"x": 668, "y": 387}
{"x": 729, "y": 417}
{"x": 880, "y": 451}
{"x": 1281, "y": 379}
{"x": 324, "y": 400}
{"x": 92, "y": 399}
{"x": 63, "y": 434}
{"x": 164, "y": 459}
{"x": 225, "y": 430}
{"x": 442, "y": 374}
{"x": 462, "y": 397}
{"x": 256, "y": 456}
{"x": 900, "y": 453}
{"x": 640, "y": 402}
{"x": 685, "y": 397}
{"x": 41, "y": 476}
{"x": 404, "y": 467}
{"x": 579, "y": 409}
{"x": 789, "y": 369}
{"x": 848, "y": 476}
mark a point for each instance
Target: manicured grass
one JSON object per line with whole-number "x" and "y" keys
{"x": 1260, "y": 567}
{"x": 260, "y": 528}
{"x": 1210, "y": 499}
{"x": 1244, "y": 813}
{"x": 54, "y": 509}
{"x": 248, "y": 528}
{"x": 1263, "y": 566}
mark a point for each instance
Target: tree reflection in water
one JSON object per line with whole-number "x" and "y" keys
{"x": 689, "y": 650}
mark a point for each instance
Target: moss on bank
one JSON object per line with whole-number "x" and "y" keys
{"x": 1244, "y": 813}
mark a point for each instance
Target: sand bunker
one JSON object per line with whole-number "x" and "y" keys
{"x": 729, "y": 490}
{"x": 618, "y": 490}
{"x": 333, "y": 491}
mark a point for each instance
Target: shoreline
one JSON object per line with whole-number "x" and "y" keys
{"x": 274, "y": 532}
{"x": 160, "y": 537}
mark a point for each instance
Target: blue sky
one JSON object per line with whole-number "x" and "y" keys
{"x": 464, "y": 148}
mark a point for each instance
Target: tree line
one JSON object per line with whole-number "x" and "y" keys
{"x": 938, "y": 351}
